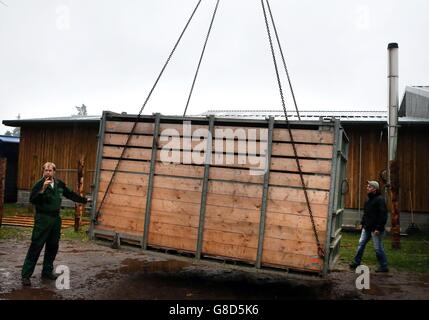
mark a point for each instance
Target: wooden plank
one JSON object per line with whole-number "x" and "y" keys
{"x": 297, "y": 261}
{"x": 233, "y": 201}
{"x": 242, "y": 227}
{"x": 179, "y": 183}
{"x": 185, "y": 220}
{"x": 290, "y": 233}
{"x": 122, "y": 200}
{"x": 129, "y": 190}
{"x": 176, "y": 195}
{"x": 176, "y": 207}
{"x": 303, "y": 150}
{"x": 221, "y": 145}
{"x": 299, "y": 208}
{"x": 237, "y": 175}
{"x": 171, "y": 242}
{"x": 297, "y": 195}
{"x": 232, "y": 213}
{"x": 173, "y": 230}
{"x": 134, "y": 179}
{"x": 119, "y": 230}
{"x": 290, "y": 246}
{"x": 275, "y": 193}
{"x": 307, "y": 166}
{"x": 302, "y": 221}
{"x": 280, "y": 164}
{"x": 294, "y": 180}
{"x": 232, "y": 238}
{"x": 304, "y": 135}
{"x": 119, "y": 223}
{"x": 229, "y": 251}
{"x": 126, "y": 127}
{"x": 123, "y": 211}
{"x": 179, "y": 170}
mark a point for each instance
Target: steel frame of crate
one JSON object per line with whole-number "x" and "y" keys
{"x": 335, "y": 204}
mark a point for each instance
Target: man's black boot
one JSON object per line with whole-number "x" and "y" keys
{"x": 26, "y": 282}
{"x": 49, "y": 276}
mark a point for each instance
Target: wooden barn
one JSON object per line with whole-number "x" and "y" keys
{"x": 9, "y": 150}
{"x": 63, "y": 141}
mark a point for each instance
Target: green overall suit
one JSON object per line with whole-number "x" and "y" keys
{"x": 47, "y": 225}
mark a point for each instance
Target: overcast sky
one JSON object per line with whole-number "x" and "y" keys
{"x": 57, "y": 54}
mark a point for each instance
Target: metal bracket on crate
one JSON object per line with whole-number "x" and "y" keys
{"x": 116, "y": 244}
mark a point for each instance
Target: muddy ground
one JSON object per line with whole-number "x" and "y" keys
{"x": 100, "y": 272}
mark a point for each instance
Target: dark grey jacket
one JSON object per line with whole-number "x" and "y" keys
{"x": 375, "y": 213}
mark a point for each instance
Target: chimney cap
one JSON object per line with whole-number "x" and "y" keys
{"x": 393, "y": 45}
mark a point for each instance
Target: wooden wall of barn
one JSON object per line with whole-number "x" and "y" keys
{"x": 62, "y": 144}
{"x": 413, "y": 155}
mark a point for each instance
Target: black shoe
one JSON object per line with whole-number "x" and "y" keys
{"x": 382, "y": 270}
{"x": 353, "y": 265}
{"x": 49, "y": 276}
{"x": 26, "y": 282}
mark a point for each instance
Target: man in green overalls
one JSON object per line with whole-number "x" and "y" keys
{"x": 46, "y": 195}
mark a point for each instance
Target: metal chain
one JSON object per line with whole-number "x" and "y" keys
{"x": 320, "y": 250}
{"x": 284, "y": 60}
{"x": 201, "y": 58}
{"x": 142, "y": 108}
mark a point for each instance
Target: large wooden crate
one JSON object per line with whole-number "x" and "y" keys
{"x": 241, "y": 200}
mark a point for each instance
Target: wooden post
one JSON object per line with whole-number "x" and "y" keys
{"x": 79, "y": 207}
{"x": 3, "y": 163}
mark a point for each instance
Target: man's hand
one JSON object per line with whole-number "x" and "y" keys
{"x": 46, "y": 184}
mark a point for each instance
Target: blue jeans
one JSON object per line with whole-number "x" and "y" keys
{"x": 378, "y": 246}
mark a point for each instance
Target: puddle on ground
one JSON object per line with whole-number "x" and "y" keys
{"x": 30, "y": 294}
{"x": 173, "y": 279}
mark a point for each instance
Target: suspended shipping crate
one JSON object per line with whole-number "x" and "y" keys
{"x": 222, "y": 188}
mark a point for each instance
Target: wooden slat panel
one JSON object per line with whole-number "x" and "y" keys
{"x": 173, "y": 230}
{"x": 233, "y": 238}
{"x": 296, "y": 261}
{"x": 295, "y": 221}
{"x": 293, "y": 180}
{"x": 171, "y": 242}
{"x": 185, "y": 220}
{"x": 122, "y": 200}
{"x": 291, "y": 207}
{"x": 290, "y": 246}
{"x": 220, "y": 145}
{"x": 232, "y": 213}
{"x": 303, "y": 135}
{"x": 126, "y": 165}
{"x": 229, "y": 251}
{"x": 135, "y": 225}
{"x": 275, "y": 193}
{"x": 120, "y": 230}
{"x": 280, "y": 164}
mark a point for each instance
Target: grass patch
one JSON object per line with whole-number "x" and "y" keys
{"x": 413, "y": 255}
{"x": 21, "y": 233}
{"x": 12, "y": 209}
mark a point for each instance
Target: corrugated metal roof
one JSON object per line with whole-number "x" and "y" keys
{"x": 71, "y": 119}
{"x": 347, "y": 116}
{"x": 9, "y": 139}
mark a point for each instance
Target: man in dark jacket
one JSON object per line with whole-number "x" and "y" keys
{"x": 46, "y": 195}
{"x": 373, "y": 221}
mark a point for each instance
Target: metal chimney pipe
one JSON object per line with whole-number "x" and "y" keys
{"x": 393, "y": 165}
{"x": 393, "y": 74}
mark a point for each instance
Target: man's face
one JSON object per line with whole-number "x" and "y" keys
{"x": 48, "y": 172}
{"x": 370, "y": 189}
